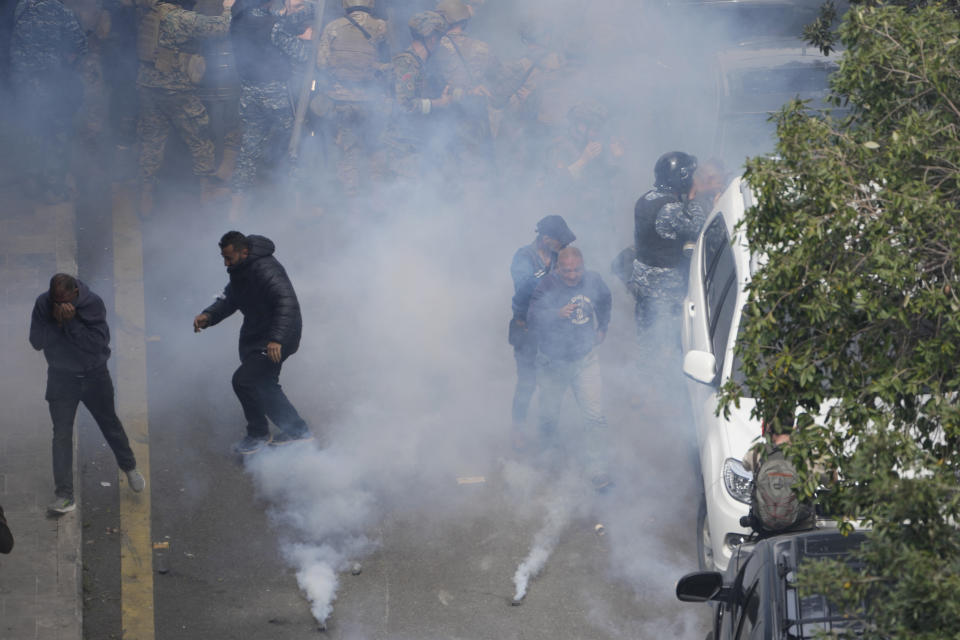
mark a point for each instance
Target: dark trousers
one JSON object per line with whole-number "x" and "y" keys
{"x": 257, "y": 385}
{"x": 525, "y": 354}
{"x": 65, "y": 391}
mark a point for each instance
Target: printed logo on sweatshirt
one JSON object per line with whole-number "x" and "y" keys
{"x": 583, "y": 313}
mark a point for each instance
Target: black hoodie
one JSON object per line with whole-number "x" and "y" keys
{"x": 260, "y": 289}
{"x": 82, "y": 344}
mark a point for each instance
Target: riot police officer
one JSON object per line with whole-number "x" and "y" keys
{"x": 667, "y": 220}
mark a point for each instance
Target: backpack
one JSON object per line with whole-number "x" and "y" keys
{"x": 774, "y": 504}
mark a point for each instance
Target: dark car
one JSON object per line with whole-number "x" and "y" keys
{"x": 757, "y": 598}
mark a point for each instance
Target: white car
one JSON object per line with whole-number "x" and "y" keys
{"x": 720, "y": 269}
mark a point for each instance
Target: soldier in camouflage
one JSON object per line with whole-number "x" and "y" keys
{"x": 584, "y": 164}
{"x": 220, "y": 92}
{"x": 168, "y": 40}
{"x": 268, "y": 41}
{"x": 534, "y": 114}
{"x": 667, "y": 220}
{"x": 353, "y": 54}
{"x": 405, "y": 135}
{"x": 472, "y": 76}
{"x": 46, "y": 43}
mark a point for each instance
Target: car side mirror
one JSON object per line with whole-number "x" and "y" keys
{"x": 701, "y": 366}
{"x": 701, "y": 586}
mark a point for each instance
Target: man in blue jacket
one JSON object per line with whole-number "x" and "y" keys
{"x": 260, "y": 289}
{"x": 69, "y": 325}
{"x": 569, "y": 314}
{"x": 530, "y": 264}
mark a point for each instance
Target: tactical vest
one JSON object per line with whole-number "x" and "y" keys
{"x": 163, "y": 59}
{"x": 652, "y": 249}
{"x": 353, "y": 56}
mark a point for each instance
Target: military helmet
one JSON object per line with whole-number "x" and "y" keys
{"x": 425, "y": 24}
{"x": 358, "y": 5}
{"x": 674, "y": 171}
{"x": 591, "y": 113}
{"x": 453, "y": 11}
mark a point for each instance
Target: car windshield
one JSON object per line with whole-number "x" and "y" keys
{"x": 813, "y": 616}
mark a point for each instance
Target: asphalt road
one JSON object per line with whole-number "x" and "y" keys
{"x": 411, "y": 474}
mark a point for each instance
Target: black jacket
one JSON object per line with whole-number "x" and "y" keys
{"x": 260, "y": 289}
{"x": 6, "y": 538}
{"x": 82, "y": 344}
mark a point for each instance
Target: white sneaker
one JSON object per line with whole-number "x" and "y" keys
{"x": 61, "y": 505}
{"x": 135, "y": 479}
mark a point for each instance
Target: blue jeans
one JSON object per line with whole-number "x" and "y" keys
{"x": 583, "y": 378}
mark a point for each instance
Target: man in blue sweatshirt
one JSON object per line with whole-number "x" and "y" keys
{"x": 569, "y": 314}
{"x": 69, "y": 325}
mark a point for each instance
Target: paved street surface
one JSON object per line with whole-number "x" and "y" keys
{"x": 411, "y": 476}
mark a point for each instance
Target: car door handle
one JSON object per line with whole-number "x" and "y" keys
{"x": 691, "y": 309}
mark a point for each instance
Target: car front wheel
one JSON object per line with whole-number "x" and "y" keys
{"x": 704, "y": 540}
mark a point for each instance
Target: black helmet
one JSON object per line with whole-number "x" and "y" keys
{"x": 674, "y": 171}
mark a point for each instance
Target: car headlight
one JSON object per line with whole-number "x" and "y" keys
{"x": 737, "y": 480}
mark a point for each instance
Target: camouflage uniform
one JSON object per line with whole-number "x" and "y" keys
{"x": 464, "y": 65}
{"x": 95, "y": 22}
{"x": 584, "y": 195}
{"x": 266, "y": 110}
{"x": 664, "y": 224}
{"x": 404, "y": 136}
{"x": 220, "y": 91}
{"x": 46, "y": 41}
{"x": 353, "y": 57}
{"x": 532, "y": 116}
{"x": 168, "y": 98}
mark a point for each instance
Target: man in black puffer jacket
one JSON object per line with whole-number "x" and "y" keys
{"x": 260, "y": 289}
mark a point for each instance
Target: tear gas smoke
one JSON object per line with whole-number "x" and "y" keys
{"x": 564, "y": 501}
{"x": 405, "y": 294}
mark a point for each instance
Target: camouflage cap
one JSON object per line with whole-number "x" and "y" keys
{"x": 426, "y": 23}
{"x": 453, "y": 11}
{"x": 350, "y": 5}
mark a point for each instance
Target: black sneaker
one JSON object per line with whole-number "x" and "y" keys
{"x": 61, "y": 506}
{"x": 251, "y": 444}
{"x": 285, "y": 437}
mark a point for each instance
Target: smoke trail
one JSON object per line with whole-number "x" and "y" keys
{"x": 319, "y": 502}
{"x": 316, "y": 576}
{"x": 565, "y": 503}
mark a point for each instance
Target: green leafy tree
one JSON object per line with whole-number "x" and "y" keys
{"x": 854, "y": 316}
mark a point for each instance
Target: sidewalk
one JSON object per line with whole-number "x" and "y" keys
{"x": 41, "y": 580}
